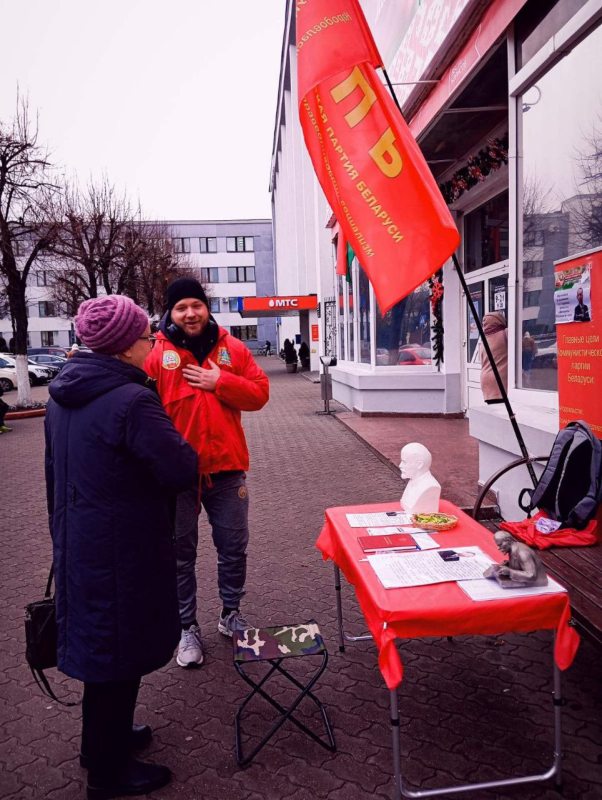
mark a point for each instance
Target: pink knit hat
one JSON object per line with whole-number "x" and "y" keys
{"x": 110, "y": 324}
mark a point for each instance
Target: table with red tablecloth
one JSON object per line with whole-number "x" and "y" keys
{"x": 442, "y": 609}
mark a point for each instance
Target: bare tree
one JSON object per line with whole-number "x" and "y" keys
{"x": 89, "y": 242}
{"x": 586, "y": 208}
{"x": 25, "y": 230}
{"x": 155, "y": 264}
{"x": 104, "y": 246}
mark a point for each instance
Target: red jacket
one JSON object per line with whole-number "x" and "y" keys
{"x": 210, "y": 421}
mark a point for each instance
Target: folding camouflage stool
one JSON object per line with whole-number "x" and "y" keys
{"x": 273, "y": 646}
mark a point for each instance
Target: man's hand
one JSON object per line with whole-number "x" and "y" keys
{"x": 201, "y": 378}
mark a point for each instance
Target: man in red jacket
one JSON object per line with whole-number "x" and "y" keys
{"x": 205, "y": 378}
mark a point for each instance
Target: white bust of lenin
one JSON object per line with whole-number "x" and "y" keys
{"x": 422, "y": 492}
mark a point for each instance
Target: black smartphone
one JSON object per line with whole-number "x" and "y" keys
{"x": 449, "y": 555}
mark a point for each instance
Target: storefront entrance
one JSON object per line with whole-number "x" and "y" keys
{"x": 488, "y": 288}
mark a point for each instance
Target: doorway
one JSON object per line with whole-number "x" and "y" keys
{"x": 488, "y": 288}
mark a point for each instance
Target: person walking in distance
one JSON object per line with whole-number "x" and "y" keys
{"x": 205, "y": 378}
{"x": 114, "y": 465}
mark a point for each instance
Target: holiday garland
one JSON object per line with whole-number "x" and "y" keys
{"x": 436, "y": 298}
{"x": 477, "y": 168}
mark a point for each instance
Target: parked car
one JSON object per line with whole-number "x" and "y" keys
{"x": 8, "y": 379}
{"x": 37, "y": 374}
{"x": 49, "y": 351}
{"x": 414, "y": 354}
{"x": 52, "y": 363}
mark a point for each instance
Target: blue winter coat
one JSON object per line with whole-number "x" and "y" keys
{"x": 114, "y": 462}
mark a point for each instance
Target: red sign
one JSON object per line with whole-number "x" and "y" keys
{"x": 370, "y": 168}
{"x": 277, "y": 305}
{"x": 580, "y": 354}
{"x": 315, "y": 333}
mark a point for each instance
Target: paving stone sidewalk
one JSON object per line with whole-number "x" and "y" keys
{"x": 474, "y": 708}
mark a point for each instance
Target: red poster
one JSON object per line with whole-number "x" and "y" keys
{"x": 315, "y": 333}
{"x": 580, "y": 351}
{"x": 369, "y": 166}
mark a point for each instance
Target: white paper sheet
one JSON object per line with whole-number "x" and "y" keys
{"x": 398, "y": 570}
{"x": 379, "y": 519}
{"x": 487, "y": 589}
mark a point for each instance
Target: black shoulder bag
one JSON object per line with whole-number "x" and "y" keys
{"x": 41, "y": 639}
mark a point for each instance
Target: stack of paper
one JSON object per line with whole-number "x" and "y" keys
{"x": 398, "y": 570}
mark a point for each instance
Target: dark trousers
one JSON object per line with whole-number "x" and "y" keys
{"x": 107, "y": 719}
{"x": 3, "y": 410}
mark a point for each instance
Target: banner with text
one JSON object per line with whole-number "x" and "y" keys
{"x": 579, "y": 340}
{"x": 369, "y": 166}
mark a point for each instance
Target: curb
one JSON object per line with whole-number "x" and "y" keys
{"x": 26, "y": 414}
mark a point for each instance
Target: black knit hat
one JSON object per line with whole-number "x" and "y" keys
{"x": 183, "y": 288}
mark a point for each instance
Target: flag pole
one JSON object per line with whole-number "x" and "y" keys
{"x": 484, "y": 342}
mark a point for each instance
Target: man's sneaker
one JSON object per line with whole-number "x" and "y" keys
{"x": 5, "y": 429}
{"x": 190, "y": 649}
{"x": 233, "y": 621}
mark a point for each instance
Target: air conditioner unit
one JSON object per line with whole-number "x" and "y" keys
{"x": 225, "y": 300}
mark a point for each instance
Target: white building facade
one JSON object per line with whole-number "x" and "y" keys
{"x": 502, "y": 98}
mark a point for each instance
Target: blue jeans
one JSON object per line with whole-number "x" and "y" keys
{"x": 226, "y": 502}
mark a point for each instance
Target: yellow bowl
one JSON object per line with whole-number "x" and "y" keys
{"x": 435, "y": 522}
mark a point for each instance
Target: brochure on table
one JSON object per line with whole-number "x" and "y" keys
{"x": 399, "y": 570}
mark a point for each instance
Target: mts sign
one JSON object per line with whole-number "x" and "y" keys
{"x": 280, "y": 304}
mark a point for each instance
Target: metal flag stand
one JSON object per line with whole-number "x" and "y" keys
{"x": 484, "y": 342}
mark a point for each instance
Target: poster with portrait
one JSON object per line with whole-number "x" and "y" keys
{"x": 572, "y": 294}
{"x": 580, "y": 343}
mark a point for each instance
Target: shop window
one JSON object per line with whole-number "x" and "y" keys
{"x": 486, "y": 233}
{"x": 207, "y": 244}
{"x": 561, "y": 200}
{"x": 341, "y": 288}
{"x": 364, "y": 316}
{"x": 403, "y": 333}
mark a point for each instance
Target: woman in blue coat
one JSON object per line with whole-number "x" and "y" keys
{"x": 114, "y": 463}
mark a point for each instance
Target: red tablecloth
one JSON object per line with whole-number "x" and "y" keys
{"x": 441, "y": 609}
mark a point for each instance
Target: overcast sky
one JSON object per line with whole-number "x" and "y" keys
{"x": 174, "y": 101}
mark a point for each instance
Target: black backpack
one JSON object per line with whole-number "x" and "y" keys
{"x": 570, "y": 487}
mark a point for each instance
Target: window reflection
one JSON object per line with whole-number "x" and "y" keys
{"x": 562, "y": 195}
{"x": 403, "y": 333}
{"x": 486, "y": 233}
{"x": 364, "y": 316}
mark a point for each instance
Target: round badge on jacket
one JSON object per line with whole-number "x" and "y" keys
{"x": 171, "y": 360}
{"x": 242, "y": 492}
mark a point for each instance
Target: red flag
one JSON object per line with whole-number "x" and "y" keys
{"x": 368, "y": 164}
